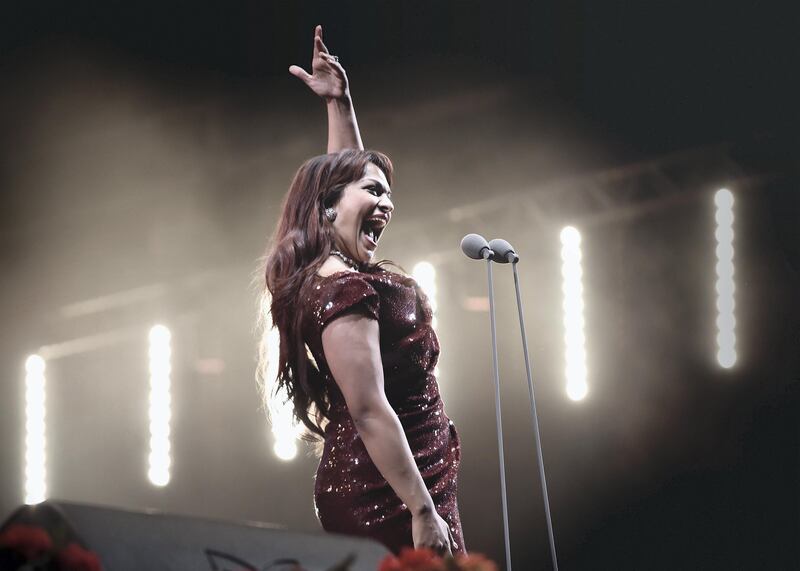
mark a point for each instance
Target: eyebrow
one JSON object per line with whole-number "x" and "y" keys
{"x": 380, "y": 184}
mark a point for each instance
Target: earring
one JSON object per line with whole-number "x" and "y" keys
{"x": 330, "y": 214}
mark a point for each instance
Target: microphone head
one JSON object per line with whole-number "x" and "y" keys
{"x": 503, "y": 251}
{"x": 474, "y": 245}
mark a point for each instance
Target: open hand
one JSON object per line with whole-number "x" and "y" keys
{"x": 327, "y": 79}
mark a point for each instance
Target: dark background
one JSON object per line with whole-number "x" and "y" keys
{"x": 145, "y": 151}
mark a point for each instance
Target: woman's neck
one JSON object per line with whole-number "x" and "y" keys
{"x": 332, "y": 265}
{"x": 348, "y": 261}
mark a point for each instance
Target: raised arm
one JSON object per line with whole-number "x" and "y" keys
{"x": 329, "y": 80}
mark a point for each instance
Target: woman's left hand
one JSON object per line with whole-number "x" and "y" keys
{"x": 327, "y": 79}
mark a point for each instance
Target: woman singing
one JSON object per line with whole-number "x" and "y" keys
{"x": 357, "y": 349}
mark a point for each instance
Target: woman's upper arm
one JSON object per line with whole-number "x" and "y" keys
{"x": 351, "y": 344}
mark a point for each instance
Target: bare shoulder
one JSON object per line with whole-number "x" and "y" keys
{"x": 331, "y": 266}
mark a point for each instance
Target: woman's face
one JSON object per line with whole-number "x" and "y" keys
{"x": 362, "y": 213}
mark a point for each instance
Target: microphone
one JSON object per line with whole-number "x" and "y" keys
{"x": 476, "y": 247}
{"x": 503, "y": 251}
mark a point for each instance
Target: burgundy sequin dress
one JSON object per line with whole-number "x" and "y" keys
{"x": 350, "y": 495}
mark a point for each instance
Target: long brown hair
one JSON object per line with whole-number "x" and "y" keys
{"x": 302, "y": 241}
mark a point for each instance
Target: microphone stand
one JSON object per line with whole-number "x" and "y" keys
{"x": 533, "y": 409}
{"x": 497, "y": 409}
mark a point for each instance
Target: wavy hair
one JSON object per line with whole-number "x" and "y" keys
{"x": 301, "y": 243}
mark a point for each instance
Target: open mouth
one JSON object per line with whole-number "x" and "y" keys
{"x": 371, "y": 230}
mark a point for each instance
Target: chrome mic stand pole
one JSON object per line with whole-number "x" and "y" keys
{"x": 503, "y": 253}
{"x": 497, "y": 408}
{"x": 535, "y": 419}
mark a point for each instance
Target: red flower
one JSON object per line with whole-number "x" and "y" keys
{"x": 29, "y": 540}
{"x": 424, "y": 559}
{"x": 474, "y": 562}
{"x": 390, "y": 563}
{"x": 421, "y": 559}
{"x": 75, "y": 558}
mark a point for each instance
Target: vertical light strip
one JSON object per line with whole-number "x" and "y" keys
{"x": 726, "y": 322}
{"x": 285, "y": 429}
{"x": 574, "y": 338}
{"x": 35, "y": 444}
{"x": 160, "y": 405}
{"x": 425, "y": 275}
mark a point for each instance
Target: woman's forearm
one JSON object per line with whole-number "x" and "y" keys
{"x": 342, "y": 125}
{"x": 388, "y": 447}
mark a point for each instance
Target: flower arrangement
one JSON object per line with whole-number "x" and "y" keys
{"x": 40, "y": 539}
{"x": 31, "y": 547}
{"x": 424, "y": 559}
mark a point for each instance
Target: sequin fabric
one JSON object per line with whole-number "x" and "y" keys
{"x": 350, "y": 495}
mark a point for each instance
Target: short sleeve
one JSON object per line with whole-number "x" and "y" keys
{"x": 349, "y": 292}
